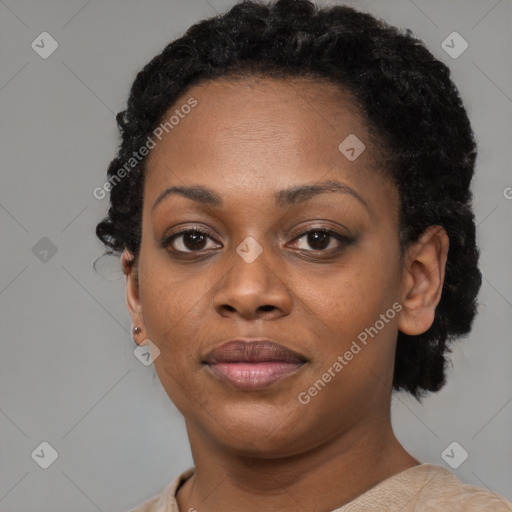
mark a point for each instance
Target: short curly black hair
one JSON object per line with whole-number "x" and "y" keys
{"x": 407, "y": 98}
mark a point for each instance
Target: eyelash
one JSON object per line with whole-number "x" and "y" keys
{"x": 342, "y": 239}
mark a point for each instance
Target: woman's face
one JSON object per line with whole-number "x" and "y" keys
{"x": 252, "y": 144}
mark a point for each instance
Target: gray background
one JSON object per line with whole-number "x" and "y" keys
{"x": 68, "y": 373}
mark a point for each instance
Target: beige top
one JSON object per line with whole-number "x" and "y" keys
{"x": 425, "y": 488}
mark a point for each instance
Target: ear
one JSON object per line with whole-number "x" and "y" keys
{"x": 422, "y": 280}
{"x": 133, "y": 297}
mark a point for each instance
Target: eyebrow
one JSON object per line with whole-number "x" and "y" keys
{"x": 286, "y": 197}
{"x": 302, "y": 193}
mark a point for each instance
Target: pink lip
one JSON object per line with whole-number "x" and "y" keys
{"x": 253, "y": 364}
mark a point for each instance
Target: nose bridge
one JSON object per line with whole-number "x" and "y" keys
{"x": 252, "y": 284}
{"x": 251, "y": 272}
{"x": 250, "y": 250}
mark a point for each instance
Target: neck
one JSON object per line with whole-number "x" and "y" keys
{"x": 319, "y": 480}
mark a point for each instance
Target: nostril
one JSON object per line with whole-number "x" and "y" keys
{"x": 266, "y": 308}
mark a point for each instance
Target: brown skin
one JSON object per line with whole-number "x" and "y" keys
{"x": 264, "y": 450}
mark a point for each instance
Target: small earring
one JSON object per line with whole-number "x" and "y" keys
{"x": 137, "y": 330}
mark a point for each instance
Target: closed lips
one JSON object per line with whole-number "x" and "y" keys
{"x": 253, "y": 365}
{"x": 255, "y": 351}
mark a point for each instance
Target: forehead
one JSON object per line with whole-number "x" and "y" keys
{"x": 250, "y": 132}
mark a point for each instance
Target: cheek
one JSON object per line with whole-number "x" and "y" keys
{"x": 345, "y": 308}
{"x": 170, "y": 321}
{"x": 164, "y": 309}
{"x": 168, "y": 297}
{"x": 357, "y": 356}
{"x": 352, "y": 297}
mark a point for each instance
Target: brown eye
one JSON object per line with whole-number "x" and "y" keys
{"x": 190, "y": 240}
{"x": 318, "y": 240}
{"x": 321, "y": 240}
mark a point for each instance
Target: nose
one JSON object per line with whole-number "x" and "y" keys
{"x": 252, "y": 290}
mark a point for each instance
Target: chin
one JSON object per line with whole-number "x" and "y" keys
{"x": 259, "y": 434}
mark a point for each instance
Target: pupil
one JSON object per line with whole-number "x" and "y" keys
{"x": 196, "y": 240}
{"x": 318, "y": 240}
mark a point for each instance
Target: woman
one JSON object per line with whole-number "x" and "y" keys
{"x": 291, "y": 201}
